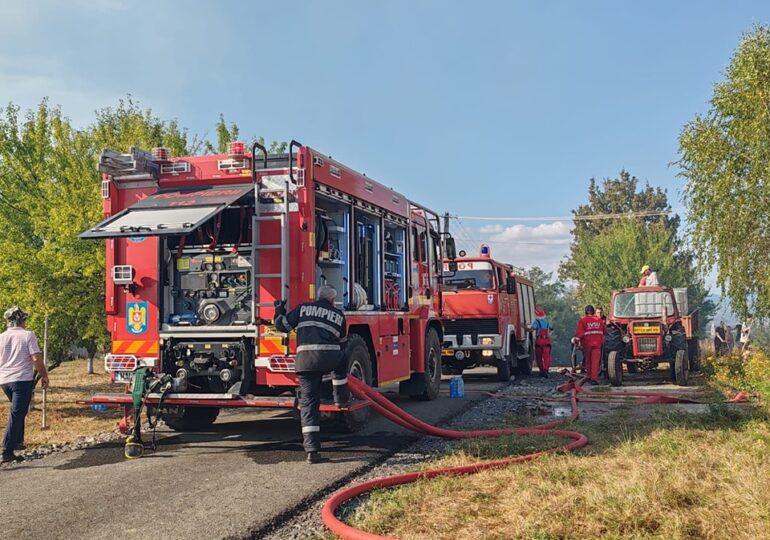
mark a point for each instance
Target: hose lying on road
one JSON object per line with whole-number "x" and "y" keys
{"x": 396, "y": 415}
{"x": 393, "y": 413}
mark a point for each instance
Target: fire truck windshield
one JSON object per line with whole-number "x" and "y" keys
{"x": 470, "y": 279}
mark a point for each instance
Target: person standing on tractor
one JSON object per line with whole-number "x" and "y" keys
{"x": 321, "y": 333}
{"x": 589, "y": 335}
{"x": 649, "y": 277}
{"x": 542, "y": 329}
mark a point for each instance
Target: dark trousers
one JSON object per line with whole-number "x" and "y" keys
{"x": 19, "y": 394}
{"x": 310, "y": 401}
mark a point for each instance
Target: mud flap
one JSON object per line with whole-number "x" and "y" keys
{"x": 413, "y": 386}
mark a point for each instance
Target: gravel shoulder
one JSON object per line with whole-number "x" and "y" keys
{"x": 487, "y": 412}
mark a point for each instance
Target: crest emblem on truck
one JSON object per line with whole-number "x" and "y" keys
{"x": 136, "y": 317}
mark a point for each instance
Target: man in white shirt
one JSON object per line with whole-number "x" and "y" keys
{"x": 19, "y": 356}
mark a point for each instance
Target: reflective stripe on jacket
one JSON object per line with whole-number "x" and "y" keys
{"x": 321, "y": 333}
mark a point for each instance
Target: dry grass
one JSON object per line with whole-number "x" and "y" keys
{"x": 66, "y": 419}
{"x": 667, "y": 475}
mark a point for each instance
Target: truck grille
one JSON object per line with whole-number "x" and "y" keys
{"x": 470, "y": 327}
{"x": 647, "y": 344}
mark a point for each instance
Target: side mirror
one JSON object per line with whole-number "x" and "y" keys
{"x": 510, "y": 286}
{"x": 450, "y": 249}
{"x": 452, "y": 266}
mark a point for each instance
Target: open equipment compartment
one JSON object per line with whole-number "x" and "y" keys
{"x": 394, "y": 270}
{"x": 209, "y": 272}
{"x": 333, "y": 247}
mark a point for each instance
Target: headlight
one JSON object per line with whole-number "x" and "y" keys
{"x": 668, "y": 338}
{"x": 626, "y": 339}
{"x": 487, "y": 352}
{"x": 459, "y": 355}
{"x": 487, "y": 341}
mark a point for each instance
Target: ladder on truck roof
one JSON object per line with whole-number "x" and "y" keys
{"x": 257, "y": 248}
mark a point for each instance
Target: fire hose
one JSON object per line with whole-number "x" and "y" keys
{"x": 389, "y": 410}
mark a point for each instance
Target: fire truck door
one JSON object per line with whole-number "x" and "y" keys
{"x": 420, "y": 285}
{"x": 504, "y": 309}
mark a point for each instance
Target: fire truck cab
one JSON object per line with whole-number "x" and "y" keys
{"x": 488, "y": 310}
{"x": 199, "y": 248}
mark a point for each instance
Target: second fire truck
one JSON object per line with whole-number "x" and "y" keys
{"x": 488, "y": 310}
{"x": 198, "y": 249}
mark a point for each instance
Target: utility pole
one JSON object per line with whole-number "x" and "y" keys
{"x": 445, "y": 232}
{"x": 44, "y": 421}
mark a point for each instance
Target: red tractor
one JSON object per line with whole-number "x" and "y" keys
{"x": 646, "y": 327}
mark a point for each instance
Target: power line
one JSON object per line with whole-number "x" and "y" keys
{"x": 589, "y": 217}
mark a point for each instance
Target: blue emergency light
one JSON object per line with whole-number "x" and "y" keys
{"x": 485, "y": 250}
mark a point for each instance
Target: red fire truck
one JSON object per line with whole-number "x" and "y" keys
{"x": 198, "y": 249}
{"x": 488, "y": 309}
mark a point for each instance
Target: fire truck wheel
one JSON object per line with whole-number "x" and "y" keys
{"x": 432, "y": 375}
{"x": 615, "y": 368}
{"x": 681, "y": 367}
{"x": 524, "y": 365}
{"x": 192, "y": 419}
{"x": 504, "y": 369}
{"x": 360, "y": 367}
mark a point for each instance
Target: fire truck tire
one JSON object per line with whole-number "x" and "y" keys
{"x": 360, "y": 367}
{"x": 615, "y": 368}
{"x": 192, "y": 419}
{"x": 681, "y": 367}
{"x": 524, "y": 365}
{"x": 432, "y": 374}
{"x": 504, "y": 369}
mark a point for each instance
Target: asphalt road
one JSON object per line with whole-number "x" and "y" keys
{"x": 230, "y": 482}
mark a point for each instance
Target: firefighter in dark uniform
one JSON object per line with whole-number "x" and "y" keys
{"x": 321, "y": 337}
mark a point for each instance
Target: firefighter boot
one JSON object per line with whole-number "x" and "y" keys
{"x": 341, "y": 393}
{"x": 314, "y": 457}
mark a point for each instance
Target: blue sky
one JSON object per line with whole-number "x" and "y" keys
{"x": 489, "y": 108}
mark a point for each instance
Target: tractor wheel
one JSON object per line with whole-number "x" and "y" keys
{"x": 192, "y": 419}
{"x": 615, "y": 368}
{"x": 681, "y": 367}
{"x": 633, "y": 367}
{"x": 360, "y": 367}
{"x": 432, "y": 374}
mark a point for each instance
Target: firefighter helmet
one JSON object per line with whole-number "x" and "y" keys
{"x": 590, "y": 310}
{"x": 15, "y": 316}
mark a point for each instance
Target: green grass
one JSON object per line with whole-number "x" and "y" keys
{"x": 649, "y": 472}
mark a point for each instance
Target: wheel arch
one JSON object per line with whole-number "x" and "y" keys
{"x": 364, "y": 332}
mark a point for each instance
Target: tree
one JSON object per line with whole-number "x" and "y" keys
{"x": 607, "y": 254}
{"x": 725, "y": 160}
{"x": 228, "y": 133}
{"x": 560, "y": 306}
{"x": 612, "y": 260}
{"x": 617, "y": 196}
{"x": 50, "y": 194}
{"x": 50, "y": 191}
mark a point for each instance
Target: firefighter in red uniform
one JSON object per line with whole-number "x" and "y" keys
{"x": 542, "y": 329}
{"x": 590, "y": 336}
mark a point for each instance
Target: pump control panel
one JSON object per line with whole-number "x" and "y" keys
{"x": 211, "y": 290}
